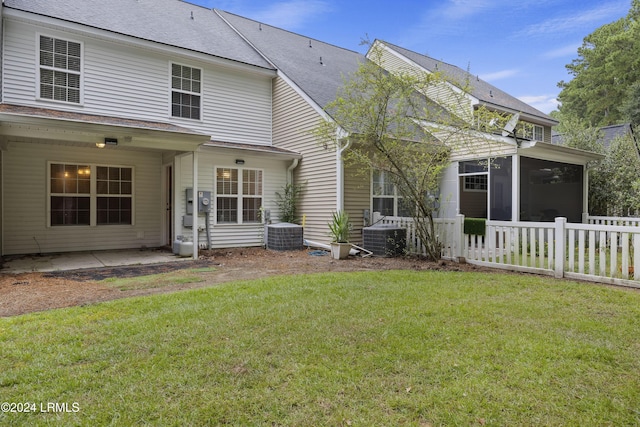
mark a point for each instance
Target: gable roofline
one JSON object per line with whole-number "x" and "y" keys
{"x": 312, "y": 68}
{"x": 279, "y": 73}
{"x": 51, "y": 16}
{"x": 481, "y": 91}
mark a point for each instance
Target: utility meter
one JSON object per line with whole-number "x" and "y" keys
{"x": 204, "y": 201}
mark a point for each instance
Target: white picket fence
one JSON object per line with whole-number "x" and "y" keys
{"x": 595, "y": 252}
{"x": 613, "y": 220}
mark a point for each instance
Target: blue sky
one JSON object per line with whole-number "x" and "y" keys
{"x": 519, "y": 46}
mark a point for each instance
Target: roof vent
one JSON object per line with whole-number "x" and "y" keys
{"x": 321, "y": 62}
{"x": 191, "y": 14}
{"x": 491, "y": 93}
{"x": 260, "y": 26}
{"x": 310, "y": 45}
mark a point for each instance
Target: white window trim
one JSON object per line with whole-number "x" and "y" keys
{"x": 93, "y": 195}
{"x": 393, "y": 196}
{"x": 474, "y": 190}
{"x": 171, "y": 89}
{"x": 522, "y": 131}
{"x": 239, "y": 197}
{"x": 38, "y": 67}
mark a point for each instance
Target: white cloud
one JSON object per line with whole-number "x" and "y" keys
{"x": 569, "y": 50}
{"x": 499, "y": 75}
{"x": 544, "y": 103}
{"x": 577, "y": 20}
{"x": 459, "y": 9}
{"x": 292, "y": 14}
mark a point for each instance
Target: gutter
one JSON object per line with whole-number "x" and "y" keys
{"x": 340, "y": 171}
{"x": 290, "y": 169}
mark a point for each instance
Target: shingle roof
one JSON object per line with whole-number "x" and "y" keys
{"x": 317, "y": 68}
{"x": 480, "y": 89}
{"x": 607, "y": 134}
{"x": 47, "y": 113}
{"x": 170, "y": 22}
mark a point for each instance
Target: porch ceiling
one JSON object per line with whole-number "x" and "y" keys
{"x": 559, "y": 153}
{"x": 85, "y": 129}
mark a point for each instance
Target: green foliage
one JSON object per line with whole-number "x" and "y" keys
{"x": 607, "y": 67}
{"x": 287, "y": 202}
{"x": 475, "y": 226}
{"x": 620, "y": 178}
{"x": 613, "y": 182}
{"x": 339, "y": 227}
{"x": 631, "y": 106}
{"x": 395, "y": 128}
{"x": 383, "y": 348}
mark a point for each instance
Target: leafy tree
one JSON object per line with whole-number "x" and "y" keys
{"x": 622, "y": 177}
{"x": 608, "y": 64}
{"x": 614, "y": 183}
{"x": 395, "y": 128}
{"x": 631, "y": 107}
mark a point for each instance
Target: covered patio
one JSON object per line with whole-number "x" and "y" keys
{"x": 67, "y": 261}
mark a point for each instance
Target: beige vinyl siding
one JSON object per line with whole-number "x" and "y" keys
{"x": 481, "y": 148}
{"x": 547, "y": 134}
{"x": 229, "y": 235}
{"x": 25, "y": 184}
{"x": 443, "y": 93}
{"x": 126, "y": 81}
{"x": 357, "y": 198}
{"x": 293, "y": 117}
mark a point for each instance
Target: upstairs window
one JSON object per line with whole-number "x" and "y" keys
{"x": 60, "y": 69}
{"x": 530, "y": 131}
{"x": 186, "y": 89}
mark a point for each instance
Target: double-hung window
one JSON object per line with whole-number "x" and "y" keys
{"x": 70, "y": 192}
{"x": 385, "y": 198}
{"x": 186, "y": 91}
{"x": 114, "y": 187}
{"x": 238, "y": 195}
{"x": 530, "y": 131}
{"x": 82, "y": 194}
{"x": 60, "y": 64}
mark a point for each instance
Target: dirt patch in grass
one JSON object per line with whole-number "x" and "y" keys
{"x": 30, "y": 292}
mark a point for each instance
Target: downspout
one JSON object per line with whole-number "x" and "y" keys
{"x": 290, "y": 169}
{"x": 340, "y": 173}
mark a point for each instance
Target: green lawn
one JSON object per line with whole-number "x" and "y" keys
{"x": 361, "y": 349}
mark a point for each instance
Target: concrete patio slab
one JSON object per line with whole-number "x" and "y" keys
{"x": 80, "y": 260}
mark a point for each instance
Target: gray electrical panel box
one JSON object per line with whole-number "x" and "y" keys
{"x": 189, "y": 194}
{"x": 203, "y": 201}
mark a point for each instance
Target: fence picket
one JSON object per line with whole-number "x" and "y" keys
{"x": 625, "y": 255}
{"x": 592, "y": 252}
{"x": 581, "y": 251}
{"x": 604, "y": 249}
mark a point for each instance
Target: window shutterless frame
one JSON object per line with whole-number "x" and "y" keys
{"x": 239, "y": 193}
{"x": 185, "y": 91}
{"x": 59, "y": 67}
{"x": 90, "y": 195}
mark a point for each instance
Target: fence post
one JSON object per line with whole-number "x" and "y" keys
{"x": 560, "y": 246}
{"x": 458, "y": 238}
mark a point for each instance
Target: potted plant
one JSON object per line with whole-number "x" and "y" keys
{"x": 339, "y": 231}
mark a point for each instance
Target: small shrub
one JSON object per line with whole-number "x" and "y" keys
{"x": 475, "y": 226}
